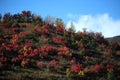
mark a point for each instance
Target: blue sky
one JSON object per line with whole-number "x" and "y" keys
{"x": 106, "y": 12}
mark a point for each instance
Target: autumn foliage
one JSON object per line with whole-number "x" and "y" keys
{"x": 33, "y": 49}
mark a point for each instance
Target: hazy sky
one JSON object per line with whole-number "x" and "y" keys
{"x": 96, "y": 15}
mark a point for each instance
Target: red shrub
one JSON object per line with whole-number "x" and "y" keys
{"x": 28, "y": 44}
{"x": 45, "y": 50}
{"x": 18, "y": 58}
{"x": 58, "y": 40}
{"x": 48, "y": 26}
{"x": 10, "y": 47}
{"x": 34, "y": 53}
{"x": 76, "y": 68}
{"x": 53, "y": 63}
{"x": 60, "y": 29}
{"x": 64, "y": 51}
{"x": 97, "y": 68}
{"x": 48, "y": 49}
{"x": 22, "y": 34}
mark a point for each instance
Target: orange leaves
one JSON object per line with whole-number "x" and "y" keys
{"x": 24, "y": 62}
{"x": 27, "y": 48}
{"x": 14, "y": 38}
{"x": 64, "y": 51}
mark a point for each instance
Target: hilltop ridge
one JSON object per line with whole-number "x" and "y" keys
{"x": 115, "y": 39}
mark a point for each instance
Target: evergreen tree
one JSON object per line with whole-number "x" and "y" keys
{"x": 71, "y": 28}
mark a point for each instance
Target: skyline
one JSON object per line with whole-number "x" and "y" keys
{"x": 101, "y": 16}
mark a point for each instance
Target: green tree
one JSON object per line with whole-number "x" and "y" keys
{"x": 59, "y": 22}
{"x": 16, "y": 18}
{"x": 26, "y": 16}
{"x": 7, "y": 17}
{"x": 36, "y": 19}
{"x": 71, "y": 28}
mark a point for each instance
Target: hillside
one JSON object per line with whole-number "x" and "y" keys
{"x": 115, "y": 39}
{"x": 34, "y": 49}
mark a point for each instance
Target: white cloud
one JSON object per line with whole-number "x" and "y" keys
{"x": 97, "y": 23}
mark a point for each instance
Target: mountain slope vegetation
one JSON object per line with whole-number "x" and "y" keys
{"x": 35, "y": 49}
